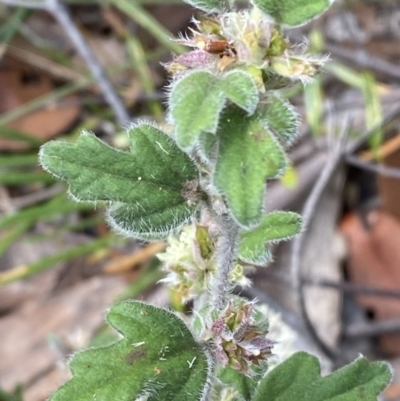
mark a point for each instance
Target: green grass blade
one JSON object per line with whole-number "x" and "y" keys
{"x": 19, "y": 160}
{"x": 24, "y": 271}
{"x": 149, "y": 23}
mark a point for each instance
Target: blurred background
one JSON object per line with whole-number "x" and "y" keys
{"x": 68, "y": 66}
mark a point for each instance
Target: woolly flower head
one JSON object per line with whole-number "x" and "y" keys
{"x": 250, "y": 33}
{"x": 190, "y": 262}
{"x": 239, "y": 334}
{"x": 248, "y": 40}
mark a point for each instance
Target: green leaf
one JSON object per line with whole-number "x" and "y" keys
{"x": 196, "y": 102}
{"x": 152, "y": 190}
{"x": 156, "y": 223}
{"x": 198, "y": 99}
{"x": 244, "y": 385}
{"x": 208, "y": 147}
{"x": 159, "y": 156}
{"x": 282, "y": 119}
{"x": 208, "y": 5}
{"x": 240, "y": 88}
{"x": 158, "y": 359}
{"x": 248, "y": 155}
{"x": 299, "y": 378}
{"x": 293, "y": 12}
{"x": 274, "y": 227}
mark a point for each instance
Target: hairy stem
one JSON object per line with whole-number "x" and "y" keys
{"x": 226, "y": 252}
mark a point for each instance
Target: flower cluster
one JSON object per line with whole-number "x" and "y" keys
{"x": 238, "y": 334}
{"x": 190, "y": 262}
{"x": 248, "y": 40}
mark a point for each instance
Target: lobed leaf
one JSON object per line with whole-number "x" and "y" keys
{"x": 274, "y": 227}
{"x": 157, "y": 222}
{"x": 293, "y": 12}
{"x": 157, "y": 358}
{"x": 282, "y": 119}
{"x": 240, "y": 88}
{"x": 196, "y": 102}
{"x": 158, "y": 154}
{"x": 208, "y": 147}
{"x": 299, "y": 378}
{"x": 248, "y": 155}
{"x": 152, "y": 190}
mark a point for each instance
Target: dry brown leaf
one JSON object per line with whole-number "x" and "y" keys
{"x": 26, "y": 353}
{"x": 374, "y": 260}
{"x": 20, "y": 86}
{"x": 125, "y": 263}
{"x": 388, "y": 148}
{"x": 393, "y": 392}
{"x": 389, "y": 187}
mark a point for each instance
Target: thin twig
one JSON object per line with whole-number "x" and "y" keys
{"x": 382, "y": 126}
{"x": 62, "y": 15}
{"x": 39, "y": 5}
{"x": 352, "y": 288}
{"x": 226, "y": 248}
{"x": 41, "y": 101}
{"x": 365, "y": 59}
{"x": 6, "y": 205}
{"x": 380, "y": 169}
{"x": 134, "y": 10}
{"x": 372, "y": 329}
{"x": 38, "y": 196}
{"x": 45, "y": 64}
{"x": 307, "y": 215}
{"x": 344, "y": 287}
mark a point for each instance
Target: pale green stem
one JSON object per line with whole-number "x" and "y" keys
{"x": 226, "y": 254}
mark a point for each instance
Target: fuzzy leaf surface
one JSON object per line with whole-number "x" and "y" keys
{"x": 282, "y": 119}
{"x": 274, "y": 227}
{"x": 157, "y": 358}
{"x": 240, "y": 88}
{"x": 293, "y": 12}
{"x": 248, "y": 155}
{"x": 196, "y": 102}
{"x": 299, "y": 378}
{"x": 208, "y": 147}
{"x": 145, "y": 185}
{"x": 244, "y": 385}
